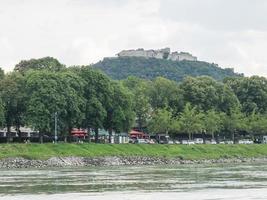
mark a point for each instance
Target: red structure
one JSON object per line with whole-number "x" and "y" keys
{"x": 78, "y": 132}
{"x": 134, "y": 134}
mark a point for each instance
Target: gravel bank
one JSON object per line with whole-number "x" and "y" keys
{"x": 111, "y": 161}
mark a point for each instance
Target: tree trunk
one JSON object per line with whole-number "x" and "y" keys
{"x": 19, "y": 132}
{"x": 96, "y": 135}
{"x": 233, "y": 137}
{"x": 8, "y": 133}
{"x": 41, "y": 137}
{"x": 109, "y": 134}
{"x": 88, "y": 134}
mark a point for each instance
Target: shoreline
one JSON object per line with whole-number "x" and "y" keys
{"x": 73, "y": 161}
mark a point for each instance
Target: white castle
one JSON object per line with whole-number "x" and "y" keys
{"x": 159, "y": 54}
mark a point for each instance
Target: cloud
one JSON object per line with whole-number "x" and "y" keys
{"x": 232, "y": 33}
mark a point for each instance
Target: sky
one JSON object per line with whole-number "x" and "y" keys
{"x": 231, "y": 33}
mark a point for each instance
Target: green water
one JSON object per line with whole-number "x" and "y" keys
{"x": 224, "y": 181}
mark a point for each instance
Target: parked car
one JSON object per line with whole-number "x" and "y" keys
{"x": 191, "y": 142}
{"x": 207, "y": 141}
{"x": 198, "y": 141}
{"x": 245, "y": 141}
{"x": 229, "y": 142}
{"x": 151, "y": 141}
{"x": 170, "y": 142}
{"x": 213, "y": 142}
{"x": 141, "y": 141}
{"x": 162, "y": 138}
{"x": 177, "y": 142}
{"x": 184, "y": 142}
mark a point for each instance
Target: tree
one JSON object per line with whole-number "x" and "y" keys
{"x": 212, "y": 122}
{"x": 251, "y": 92}
{"x": 98, "y": 97}
{"x": 2, "y": 73}
{"x": 46, "y": 63}
{"x": 141, "y": 105}
{"x": 46, "y": 94}
{"x": 120, "y": 115}
{"x": 14, "y": 97}
{"x": 161, "y": 121}
{"x": 165, "y": 93}
{"x": 2, "y": 113}
{"x": 235, "y": 122}
{"x": 73, "y": 113}
{"x": 202, "y": 92}
{"x": 257, "y": 124}
{"x": 190, "y": 121}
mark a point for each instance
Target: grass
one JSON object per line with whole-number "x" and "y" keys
{"x": 192, "y": 152}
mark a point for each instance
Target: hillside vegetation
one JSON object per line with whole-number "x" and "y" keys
{"x": 150, "y": 68}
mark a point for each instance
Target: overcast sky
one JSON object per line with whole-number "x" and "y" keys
{"x": 232, "y": 33}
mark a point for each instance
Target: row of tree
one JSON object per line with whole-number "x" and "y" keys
{"x": 202, "y": 105}
{"x": 83, "y": 97}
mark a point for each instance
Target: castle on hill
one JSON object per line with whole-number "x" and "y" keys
{"x": 159, "y": 54}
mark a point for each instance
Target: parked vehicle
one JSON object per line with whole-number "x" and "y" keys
{"x": 141, "y": 141}
{"x": 162, "y": 138}
{"x": 177, "y": 142}
{"x": 191, "y": 142}
{"x": 184, "y": 142}
{"x": 245, "y": 141}
{"x": 170, "y": 142}
{"x": 198, "y": 141}
{"x": 213, "y": 142}
{"x": 229, "y": 142}
{"x": 264, "y": 139}
{"x": 188, "y": 142}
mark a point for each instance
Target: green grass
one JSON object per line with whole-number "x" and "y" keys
{"x": 192, "y": 152}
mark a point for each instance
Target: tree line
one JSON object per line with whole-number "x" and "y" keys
{"x": 84, "y": 97}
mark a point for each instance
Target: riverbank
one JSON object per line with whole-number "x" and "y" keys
{"x": 61, "y": 155}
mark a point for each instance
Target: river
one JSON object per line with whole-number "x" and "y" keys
{"x": 189, "y": 182}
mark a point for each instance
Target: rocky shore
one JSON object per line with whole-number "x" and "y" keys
{"x": 112, "y": 161}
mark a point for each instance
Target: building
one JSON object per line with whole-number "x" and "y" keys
{"x": 159, "y": 54}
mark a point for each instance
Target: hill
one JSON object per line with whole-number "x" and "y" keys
{"x": 150, "y": 68}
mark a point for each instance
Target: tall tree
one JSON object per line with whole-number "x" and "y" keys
{"x": 98, "y": 97}
{"x": 235, "y": 122}
{"x": 14, "y": 97}
{"x": 212, "y": 122}
{"x": 46, "y": 96}
{"x": 161, "y": 121}
{"x": 251, "y": 92}
{"x": 163, "y": 93}
{"x": 73, "y": 113}
{"x": 2, "y": 113}
{"x": 190, "y": 121}
{"x": 120, "y": 114}
{"x": 202, "y": 92}
{"x": 141, "y": 104}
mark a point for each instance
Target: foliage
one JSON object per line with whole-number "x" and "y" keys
{"x": 206, "y": 93}
{"x": 14, "y": 98}
{"x": 161, "y": 121}
{"x": 213, "y": 122}
{"x": 251, "y": 92}
{"x": 190, "y": 121}
{"x": 150, "y": 68}
{"x": 46, "y": 63}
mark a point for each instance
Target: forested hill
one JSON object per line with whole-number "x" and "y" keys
{"x": 149, "y": 68}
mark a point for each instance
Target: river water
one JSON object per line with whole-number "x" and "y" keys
{"x": 189, "y": 182}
